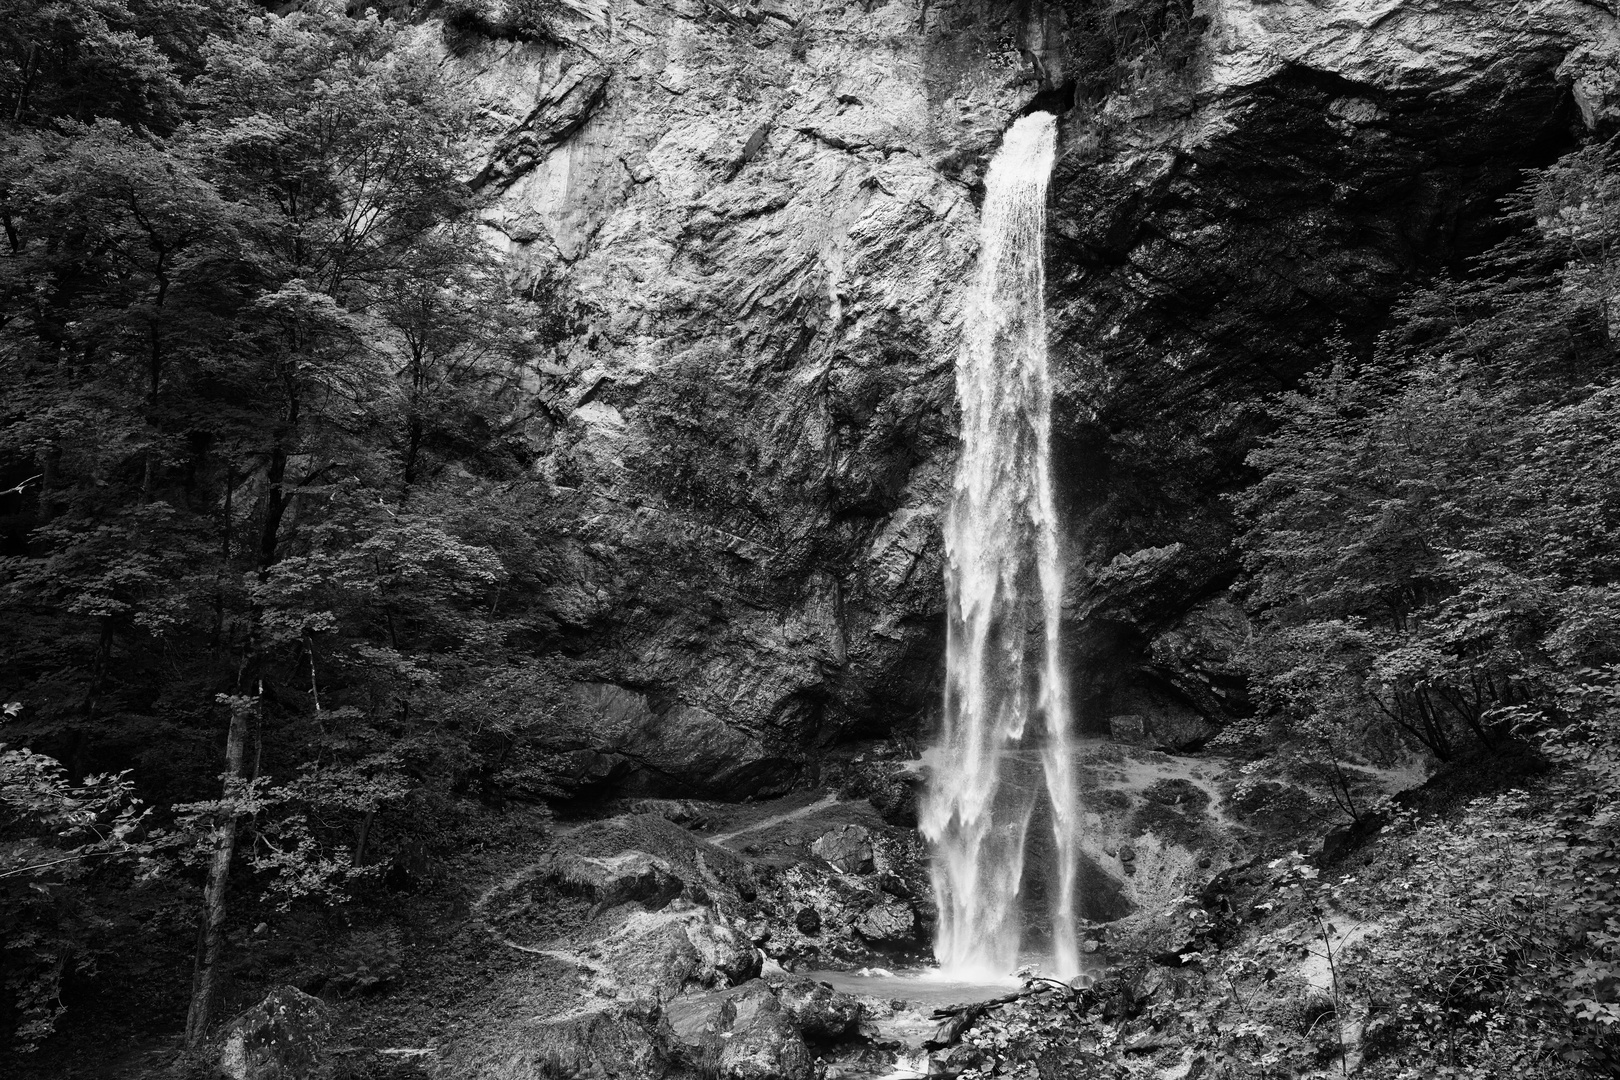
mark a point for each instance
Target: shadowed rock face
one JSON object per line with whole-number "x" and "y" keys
{"x": 1213, "y": 232}
{"x": 761, "y": 220}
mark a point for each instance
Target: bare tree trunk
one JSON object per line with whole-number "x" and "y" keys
{"x": 365, "y": 834}
{"x": 211, "y": 946}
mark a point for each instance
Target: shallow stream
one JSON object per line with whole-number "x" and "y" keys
{"x": 900, "y": 1006}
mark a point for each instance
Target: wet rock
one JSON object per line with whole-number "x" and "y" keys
{"x": 888, "y": 924}
{"x": 1127, "y": 861}
{"x": 819, "y": 1012}
{"x": 759, "y": 1042}
{"x": 281, "y": 1038}
{"x": 895, "y": 885}
{"x": 848, "y": 848}
{"x": 892, "y": 786}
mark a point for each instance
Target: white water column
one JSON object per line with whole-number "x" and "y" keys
{"x": 1005, "y": 744}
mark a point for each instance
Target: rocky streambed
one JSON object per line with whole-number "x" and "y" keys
{"x": 791, "y": 937}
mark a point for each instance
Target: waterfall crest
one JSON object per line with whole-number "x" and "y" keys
{"x": 1005, "y": 741}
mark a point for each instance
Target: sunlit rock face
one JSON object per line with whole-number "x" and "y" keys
{"x": 760, "y": 222}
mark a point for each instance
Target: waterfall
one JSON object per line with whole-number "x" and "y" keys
{"x": 1005, "y": 739}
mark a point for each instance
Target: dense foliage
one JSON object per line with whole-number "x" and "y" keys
{"x": 268, "y": 417}
{"x": 1432, "y": 567}
{"x": 1430, "y": 546}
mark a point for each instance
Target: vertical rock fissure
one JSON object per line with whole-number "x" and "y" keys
{"x": 1005, "y": 742}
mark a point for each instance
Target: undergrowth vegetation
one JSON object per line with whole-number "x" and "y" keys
{"x": 1430, "y": 559}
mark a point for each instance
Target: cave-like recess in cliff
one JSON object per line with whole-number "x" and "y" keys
{"x": 1204, "y": 259}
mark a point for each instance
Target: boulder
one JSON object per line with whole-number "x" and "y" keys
{"x": 819, "y": 1012}
{"x": 848, "y": 848}
{"x": 759, "y": 1041}
{"x": 888, "y": 924}
{"x": 614, "y": 879}
{"x": 683, "y": 946}
{"x": 1201, "y": 655}
{"x": 283, "y": 1037}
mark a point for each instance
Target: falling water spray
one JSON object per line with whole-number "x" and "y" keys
{"x": 1005, "y": 743}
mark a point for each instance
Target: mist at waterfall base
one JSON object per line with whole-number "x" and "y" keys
{"x": 1003, "y": 762}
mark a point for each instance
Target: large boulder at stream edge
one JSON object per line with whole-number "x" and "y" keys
{"x": 759, "y": 1041}
{"x": 681, "y": 947}
{"x": 888, "y": 924}
{"x": 283, "y": 1037}
{"x": 820, "y": 1013}
{"x": 762, "y": 1029}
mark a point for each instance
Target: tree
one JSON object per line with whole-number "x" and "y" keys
{"x": 1429, "y": 542}
{"x": 267, "y": 439}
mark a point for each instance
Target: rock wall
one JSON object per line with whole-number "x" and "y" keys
{"x": 761, "y": 218}
{"x": 1248, "y": 197}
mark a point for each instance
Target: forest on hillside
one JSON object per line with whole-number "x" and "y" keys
{"x": 269, "y": 410}
{"x": 270, "y": 532}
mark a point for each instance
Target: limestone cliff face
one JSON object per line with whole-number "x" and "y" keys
{"x": 763, "y": 218}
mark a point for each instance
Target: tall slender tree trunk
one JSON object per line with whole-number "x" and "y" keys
{"x": 275, "y": 507}
{"x": 211, "y": 943}
{"x": 224, "y": 561}
{"x": 365, "y": 834}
